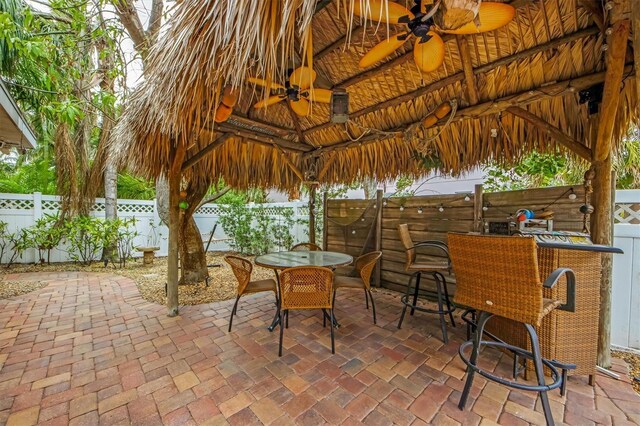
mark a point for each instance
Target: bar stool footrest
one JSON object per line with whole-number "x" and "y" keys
{"x": 552, "y": 365}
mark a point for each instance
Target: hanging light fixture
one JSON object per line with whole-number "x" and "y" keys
{"x": 339, "y": 105}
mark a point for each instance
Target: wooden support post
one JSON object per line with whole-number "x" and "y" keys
{"x": 325, "y": 225}
{"x": 477, "y": 210}
{"x": 601, "y": 222}
{"x": 635, "y": 18}
{"x": 378, "y": 243}
{"x": 312, "y": 214}
{"x": 174, "y": 179}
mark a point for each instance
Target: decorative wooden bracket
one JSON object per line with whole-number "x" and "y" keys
{"x": 204, "y": 151}
{"x": 292, "y": 166}
{"x": 564, "y": 139}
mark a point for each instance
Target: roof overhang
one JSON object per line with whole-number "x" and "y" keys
{"x": 14, "y": 130}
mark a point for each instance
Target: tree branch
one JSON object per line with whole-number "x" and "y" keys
{"x": 214, "y": 197}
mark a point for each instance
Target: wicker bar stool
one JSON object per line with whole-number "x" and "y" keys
{"x": 306, "y": 287}
{"x": 363, "y": 267}
{"x": 242, "y": 269}
{"x": 499, "y": 276}
{"x": 433, "y": 268}
{"x": 306, "y": 247}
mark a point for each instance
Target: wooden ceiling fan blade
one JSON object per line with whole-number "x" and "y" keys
{"x": 429, "y": 55}
{"x": 378, "y": 12}
{"x": 265, "y": 83}
{"x": 301, "y": 107}
{"x": 383, "y": 49}
{"x": 302, "y": 77}
{"x": 491, "y": 16}
{"x": 269, "y": 101}
{"x": 320, "y": 95}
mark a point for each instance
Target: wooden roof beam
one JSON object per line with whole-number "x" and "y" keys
{"x": 467, "y": 68}
{"x": 264, "y": 139}
{"x": 487, "y": 108}
{"x": 281, "y": 131}
{"x": 204, "y": 151}
{"x": 437, "y": 85}
{"x": 565, "y": 140}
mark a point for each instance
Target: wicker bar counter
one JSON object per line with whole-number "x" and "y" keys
{"x": 568, "y": 337}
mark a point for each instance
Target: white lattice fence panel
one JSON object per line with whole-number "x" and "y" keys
{"x": 627, "y": 213}
{"x": 16, "y": 204}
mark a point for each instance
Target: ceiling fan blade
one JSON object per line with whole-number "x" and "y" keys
{"x": 429, "y": 55}
{"x": 269, "y": 101}
{"x": 320, "y": 95}
{"x": 301, "y": 107}
{"x": 378, "y": 12}
{"x": 383, "y": 49}
{"x": 302, "y": 77}
{"x": 265, "y": 83}
{"x": 491, "y": 16}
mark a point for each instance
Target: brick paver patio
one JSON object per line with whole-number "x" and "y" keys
{"x": 87, "y": 349}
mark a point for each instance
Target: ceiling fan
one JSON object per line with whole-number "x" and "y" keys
{"x": 296, "y": 90}
{"x": 428, "y": 50}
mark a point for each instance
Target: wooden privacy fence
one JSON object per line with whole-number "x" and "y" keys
{"x": 359, "y": 226}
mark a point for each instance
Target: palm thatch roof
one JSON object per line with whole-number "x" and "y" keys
{"x": 534, "y": 66}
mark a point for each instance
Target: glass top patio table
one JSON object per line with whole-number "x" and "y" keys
{"x": 290, "y": 259}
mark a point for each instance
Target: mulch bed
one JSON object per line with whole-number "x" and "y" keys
{"x": 633, "y": 360}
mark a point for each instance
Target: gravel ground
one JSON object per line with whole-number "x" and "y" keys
{"x": 16, "y": 288}
{"x": 634, "y": 367}
{"x": 150, "y": 279}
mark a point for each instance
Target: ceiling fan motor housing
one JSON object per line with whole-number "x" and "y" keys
{"x": 453, "y": 14}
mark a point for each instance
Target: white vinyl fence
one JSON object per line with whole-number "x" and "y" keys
{"x": 625, "y": 308}
{"x": 22, "y": 210}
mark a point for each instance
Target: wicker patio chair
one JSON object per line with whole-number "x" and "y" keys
{"x": 499, "y": 276}
{"x": 435, "y": 268}
{"x": 306, "y": 247}
{"x": 242, "y": 269}
{"x": 306, "y": 287}
{"x": 364, "y": 267}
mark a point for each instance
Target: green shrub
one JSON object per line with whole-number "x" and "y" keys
{"x": 119, "y": 234}
{"x": 86, "y": 237}
{"x": 44, "y": 236}
{"x": 253, "y": 231}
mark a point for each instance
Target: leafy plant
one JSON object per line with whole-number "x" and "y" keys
{"x": 86, "y": 236}
{"x": 4, "y": 238}
{"x": 253, "y": 231}
{"x": 44, "y": 236}
{"x": 120, "y": 233}
{"x": 19, "y": 242}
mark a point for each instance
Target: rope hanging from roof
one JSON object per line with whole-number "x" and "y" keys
{"x": 410, "y": 132}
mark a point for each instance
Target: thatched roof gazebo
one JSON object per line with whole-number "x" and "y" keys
{"x": 513, "y": 90}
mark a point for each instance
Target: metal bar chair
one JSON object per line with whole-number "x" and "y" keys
{"x": 433, "y": 268}
{"x": 498, "y": 276}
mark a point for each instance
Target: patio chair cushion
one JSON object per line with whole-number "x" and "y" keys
{"x": 348, "y": 282}
{"x": 261, "y": 285}
{"x": 428, "y": 266}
